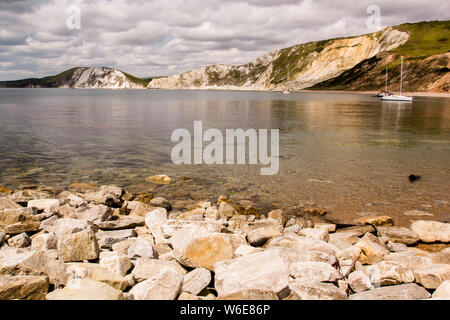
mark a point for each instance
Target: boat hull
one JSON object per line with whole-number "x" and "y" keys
{"x": 397, "y": 98}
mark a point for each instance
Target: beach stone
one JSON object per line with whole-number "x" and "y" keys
{"x": 107, "y": 239}
{"x": 117, "y": 262}
{"x": 75, "y": 201}
{"x": 20, "y": 241}
{"x": 211, "y": 213}
{"x": 431, "y": 276}
{"x": 359, "y": 281}
{"x": 408, "y": 260}
{"x": 196, "y": 280}
{"x": 23, "y": 287}
{"x": 372, "y": 250}
{"x": 250, "y": 295}
{"x": 94, "y": 271}
{"x": 312, "y": 290}
{"x": 398, "y": 235}
{"x": 149, "y": 268}
{"x": 165, "y": 285}
{"x": 66, "y": 226}
{"x": 79, "y": 246}
{"x": 409, "y": 291}
{"x": 44, "y": 242}
{"x": 443, "y": 291}
{"x": 260, "y": 236}
{"x": 278, "y": 215}
{"x": 47, "y": 205}
{"x": 375, "y": 220}
{"x": 204, "y": 252}
{"x": 442, "y": 256}
{"x": 357, "y": 230}
{"x": 19, "y": 220}
{"x": 159, "y": 179}
{"x": 317, "y": 233}
{"x": 396, "y": 247}
{"x": 123, "y": 245}
{"x": 315, "y": 247}
{"x": 141, "y": 248}
{"x": 330, "y": 227}
{"x": 137, "y": 208}
{"x": 6, "y": 203}
{"x": 417, "y": 213}
{"x": 226, "y": 210}
{"x": 94, "y": 213}
{"x": 386, "y": 273}
{"x": 123, "y": 222}
{"x": 314, "y": 271}
{"x": 156, "y": 217}
{"x": 108, "y": 195}
{"x": 161, "y": 202}
{"x": 244, "y": 250}
{"x": 264, "y": 271}
{"x": 13, "y": 262}
{"x": 431, "y": 231}
{"x": 85, "y": 289}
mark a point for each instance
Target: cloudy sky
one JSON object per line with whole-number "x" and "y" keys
{"x": 160, "y": 37}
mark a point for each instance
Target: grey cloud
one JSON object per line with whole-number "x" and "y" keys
{"x": 160, "y": 37}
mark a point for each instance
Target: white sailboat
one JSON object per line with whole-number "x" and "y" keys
{"x": 385, "y": 92}
{"x": 394, "y": 97}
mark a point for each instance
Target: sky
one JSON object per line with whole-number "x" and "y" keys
{"x": 164, "y": 37}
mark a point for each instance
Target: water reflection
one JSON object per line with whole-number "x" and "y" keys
{"x": 361, "y": 147}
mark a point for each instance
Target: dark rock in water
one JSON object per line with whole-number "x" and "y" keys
{"x": 414, "y": 178}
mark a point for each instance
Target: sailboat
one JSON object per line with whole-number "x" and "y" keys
{"x": 385, "y": 92}
{"x": 395, "y": 97}
{"x": 286, "y": 91}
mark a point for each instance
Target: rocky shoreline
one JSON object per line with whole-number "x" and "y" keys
{"x": 106, "y": 243}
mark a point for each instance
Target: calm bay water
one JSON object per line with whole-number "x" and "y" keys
{"x": 349, "y": 153}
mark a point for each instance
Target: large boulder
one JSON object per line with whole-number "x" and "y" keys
{"x": 432, "y": 231}
{"x": 204, "y": 252}
{"x": 314, "y": 271}
{"x": 108, "y": 195}
{"x": 106, "y": 239}
{"x": 409, "y": 291}
{"x": 117, "y": 262}
{"x": 196, "y": 280}
{"x": 94, "y": 213}
{"x": 409, "y": 260}
{"x": 312, "y": 290}
{"x": 141, "y": 248}
{"x": 398, "y": 235}
{"x": 85, "y": 289}
{"x": 443, "y": 291}
{"x": 18, "y": 220}
{"x": 96, "y": 272}
{"x": 264, "y": 271}
{"x": 386, "y": 273}
{"x": 165, "y": 285}
{"x": 431, "y": 276}
{"x": 79, "y": 246}
{"x": 47, "y": 205}
{"x": 372, "y": 249}
{"x": 145, "y": 269}
{"x": 359, "y": 281}
{"x": 23, "y": 287}
{"x": 44, "y": 242}
{"x": 65, "y": 226}
{"x": 123, "y": 222}
{"x": 260, "y": 236}
{"x": 16, "y": 262}
{"x": 19, "y": 241}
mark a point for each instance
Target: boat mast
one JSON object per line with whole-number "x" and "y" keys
{"x": 386, "y": 80}
{"x": 401, "y": 78}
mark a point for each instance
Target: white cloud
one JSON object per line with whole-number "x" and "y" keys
{"x": 160, "y": 37}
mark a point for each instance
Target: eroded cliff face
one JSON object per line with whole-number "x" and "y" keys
{"x": 308, "y": 64}
{"x": 100, "y": 78}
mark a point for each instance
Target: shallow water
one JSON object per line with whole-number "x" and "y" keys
{"x": 350, "y": 153}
